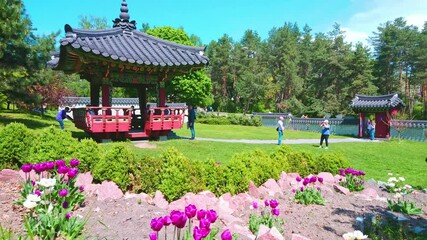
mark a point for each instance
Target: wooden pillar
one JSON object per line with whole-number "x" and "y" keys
{"x": 142, "y": 97}
{"x": 107, "y": 93}
{"x": 94, "y": 94}
{"x": 360, "y": 125}
{"x": 162, "y": 95}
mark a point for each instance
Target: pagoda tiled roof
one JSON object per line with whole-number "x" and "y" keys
{"x": 123, "y": 43}
{"x": 383, "y": 102}
{"x": 132, "y": 47}
{"x": 85, "y": 101}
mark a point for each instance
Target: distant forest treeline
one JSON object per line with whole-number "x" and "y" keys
{"x": 293, "y": 70}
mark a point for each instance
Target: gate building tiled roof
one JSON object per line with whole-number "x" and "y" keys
{"x": 376, "y": 103}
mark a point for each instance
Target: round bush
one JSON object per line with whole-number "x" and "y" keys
{"x": 114, "y": 166}
{"x": 15, "y": 140}
{"x": 50, "y": 144}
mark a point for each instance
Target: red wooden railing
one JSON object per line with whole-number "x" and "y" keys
{"x": 113, "y": 119}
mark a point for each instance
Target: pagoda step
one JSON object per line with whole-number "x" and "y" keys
{"x": 136, "y": 134}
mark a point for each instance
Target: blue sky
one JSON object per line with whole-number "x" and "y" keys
{"x": 210, "y": 20}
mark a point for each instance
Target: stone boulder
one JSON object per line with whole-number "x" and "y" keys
{"x": 160, "y": 201}
{"x": 265, "y": 233}
{"x": 108, "y": 190}
{"x": 328, "y": 178}
{"x": 273, "y": 187}
{"x": 8, "y": 175}
{"x": 84, "y": 179}
{"x": 341, "y": 189}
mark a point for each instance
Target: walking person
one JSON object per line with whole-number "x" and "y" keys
{"x": 372, "y": 132}
{"x": 280, "y": 128}
{"x": 62, "y": 114}
{"x": 325, "y": 133}
{"x": 191, "y": 119}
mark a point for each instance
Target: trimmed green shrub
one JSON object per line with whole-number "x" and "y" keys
{"x": 114, "y": 166}
{"x": 15, "y": 139}
{"x": 144, "y": 174}
{"x": 237, "y": 175}
{"x": 260, "y": 166}
{"x": 213, "y": 176}
{"x": 88, "y": 153}
{"x": 303, "y": 163}
{"x": 331, "y": 162}
{"x": 178, "y": 175}
{"x": 50, "y": 144}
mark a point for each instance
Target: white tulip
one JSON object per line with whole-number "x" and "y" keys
{"x": 401, "y": 179}
{"x": 29, "y": 204}
{"x": 359, "y": 235}
{"x": 392, "y": 179}
{"x": 50, "y": 208}
{"x": 47, "y": 182}
{"x": 33, "y": 198}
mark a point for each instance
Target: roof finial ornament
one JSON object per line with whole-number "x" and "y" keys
{"x": 124, "y": 11}
{"x": 123, "y": 22}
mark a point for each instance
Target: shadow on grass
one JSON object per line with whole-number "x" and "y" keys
{"x": 80, "y": 134}
{"x": 30, "y": 123}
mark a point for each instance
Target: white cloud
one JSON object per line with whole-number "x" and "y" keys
{"x": 372, "y": 13}
{"x": 355, "y": 36}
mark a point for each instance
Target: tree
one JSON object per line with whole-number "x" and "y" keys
{"x": 93, "y": 22}
{"x": 195, "y": 87}
{"x": 283, "y": 61}
{"x": 21, "y": 52}
{"x": 220, "y": 70}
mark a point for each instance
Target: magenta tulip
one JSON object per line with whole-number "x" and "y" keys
{"x": 190, "y": 211}
{"x": 63, "y": 192}
{"x": 298, "y": 179}
{"x": 254, "y": 204}
{"x": 226, "y": 235}
{"x": 266, "y": 203}
{"x": 273, "y": 203}
{"x": 320, "y": 179}
{"x": 201, "y": 214}
{"x": 72, "y": 172}
{"x": 153, "y": 236}
{"x": 59, "y": 163}
{"x": 156, "y": 224}
{"x": 26, "y": 168}
{"x": 167, "y": 220}
{"x": 68, "y": 215}
{"x": 205, "y": 223}
{"x": 74, "y": 162}
{"x": 211, "y": 215}
{"x": 275, "y": 211}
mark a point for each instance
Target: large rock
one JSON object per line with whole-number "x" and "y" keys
{"x": 341, "y": 189}
{"x": 108, "y": 190}
{"x": 282, "y": 182}
{"x": 298, "y": 237}
{"x": 253, "y": 190}
{"x": 265, "y": 233}
{"x": 8, "y": 175}
{"x": 328, "y": 178}
{"x": 368, "y": 194}
{"x": 84, "y": 179}
{"x": 272, "y": 186}
{"x": 160, "y": 201}
{"x": 179, "y": 205}
{"x": 241, "y": 230}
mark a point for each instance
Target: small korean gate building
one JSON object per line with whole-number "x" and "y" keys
{"x": 125, "y": 57}
{"x": 379, "y": 108}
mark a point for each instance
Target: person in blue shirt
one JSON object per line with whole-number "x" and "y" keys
{"x": 191, "y": 119}
{"x": 62, "y": 114}
{"x": 280, "y": 128}
{"x": 325, "y": 133}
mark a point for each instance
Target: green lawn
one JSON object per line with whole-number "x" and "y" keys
{"x": 375, "y": 158}
{"x": 245, "y": 132}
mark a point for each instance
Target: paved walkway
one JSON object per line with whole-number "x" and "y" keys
{"x": 285, "y": 141}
